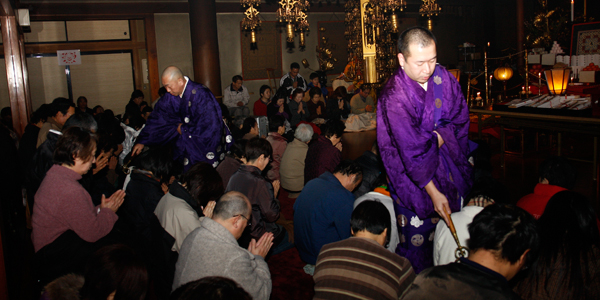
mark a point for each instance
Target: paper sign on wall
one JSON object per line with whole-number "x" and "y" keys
{"x": 68, "y": 57}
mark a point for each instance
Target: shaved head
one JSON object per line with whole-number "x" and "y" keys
{"x": 173, "y": 80}
{"x": 418, "y": 36}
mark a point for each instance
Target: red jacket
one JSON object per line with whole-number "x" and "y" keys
{"x": 536, "y": 203}
{"x": 260, "y": 109}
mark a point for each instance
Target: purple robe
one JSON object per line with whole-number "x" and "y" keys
{"x": 409, "y": 147}
{"x": 204, "y": 136}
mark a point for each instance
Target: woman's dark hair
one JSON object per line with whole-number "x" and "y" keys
{"x": 340, "y": 92}
{"x": 333, "y": 127}
{"x": 210, "y": 288}
{"x": 137, "y": 94}
{"x": 507, "y": 230}
{"x": 74, "y": 143}
{"x": 135, "y": 120}
{"x": 263, "y": 88}
{"x": 372, "y": 216}
{"x": 314, "y": 91}
{"x": 95, "y": 109}
{"x": 256, "y": 147}
{"x": 296, "y": 92}
{"x": 41, "y": 114}
{"x": 203, "y": 182}
{"x": 275, "y": 122}
{"x": 569, "y": 243}
{"x": 558, "y": 171}
{"x": 248, "y": 124}
{"x": 158, "y": 160}
{"x": 115, "y": 268}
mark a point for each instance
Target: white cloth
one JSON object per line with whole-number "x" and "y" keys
{"x": 177, "y": 218}
{"x": 389, "y": 204}
{"x": 130, "y": 136}
{"x": 444, "y": 245}
{"x": 361, "y": 122}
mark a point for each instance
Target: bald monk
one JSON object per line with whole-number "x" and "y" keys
{"x": 189, "y": 118}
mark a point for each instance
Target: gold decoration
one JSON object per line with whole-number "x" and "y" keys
{"x": 293, "y": 13}
{"x": 429, "y": 9}
{"x": 251, "y": 21}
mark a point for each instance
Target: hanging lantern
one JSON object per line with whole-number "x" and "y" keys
{"x": 394, "y": 23}
{"x": 302, "y": 43}
{"x": 290, "y": 33}
{"x": 557, "y": 80}
{"x": 253, "y": 45}
{"x": 503, "y": 73}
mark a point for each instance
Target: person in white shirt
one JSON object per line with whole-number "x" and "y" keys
{"x": 235, "y": 97}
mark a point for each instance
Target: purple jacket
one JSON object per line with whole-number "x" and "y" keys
{"x": 408, "y": 145}
{"x": 204, "y": 136}
{"x": 321, "y": 157}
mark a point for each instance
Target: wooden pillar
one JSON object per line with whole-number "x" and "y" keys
{"x": 205, "y": 44}
{"x": 16, "y": 71}
{"x": 153, "y": 72}
{"x": 520, "y": 29}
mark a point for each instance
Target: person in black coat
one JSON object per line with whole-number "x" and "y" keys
{"x": 372, "y": 167}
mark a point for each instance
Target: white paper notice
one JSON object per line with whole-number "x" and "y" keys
{"x": 68, "y": 57}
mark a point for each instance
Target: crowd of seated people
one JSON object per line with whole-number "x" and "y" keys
{"x": 110, "y": 225}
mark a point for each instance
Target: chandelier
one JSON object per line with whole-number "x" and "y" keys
{"x": 429, "y": 9}
{"x": 293, "y": 13}
{"x": 251, "y": 21}
{"x": 372, "y": 34}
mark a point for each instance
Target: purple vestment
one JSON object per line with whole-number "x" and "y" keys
{"x": 204, "y": 136}
{"x": 411, "y": 156}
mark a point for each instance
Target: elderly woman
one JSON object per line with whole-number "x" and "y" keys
{"x": 66, "y": 225}
{"x": 179, "y": 211}
{"x": 291, "y": 169}
{"x": 298, "y": 108}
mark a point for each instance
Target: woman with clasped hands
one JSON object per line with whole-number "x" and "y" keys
{"x": 67, "y": 228}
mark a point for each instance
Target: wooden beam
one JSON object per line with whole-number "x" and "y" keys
{"x": 135, "y": 57}
{"x": 153, "y": 74}
{"x": 100, "y": 11}
{"x": 15, "y": 73}
{"x": 84, "y": 46}
{"x": 7, "y": 9}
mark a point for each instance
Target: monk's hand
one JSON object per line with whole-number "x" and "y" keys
{"x": 113, "y": 202}
{"x": 262, "y": 246}
{"x": 179, "y": 128}
{"x": 439, "y": 138}
{"x": 208, "y": 210}
{"x": 137, "y": 149}
{"x": 439, "y": 200}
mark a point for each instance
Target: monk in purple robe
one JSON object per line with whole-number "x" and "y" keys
{"x": 422, "y": 131}
{"x": 189, "y": 118}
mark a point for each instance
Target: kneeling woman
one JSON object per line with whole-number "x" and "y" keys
{"x": 66, "y": 225}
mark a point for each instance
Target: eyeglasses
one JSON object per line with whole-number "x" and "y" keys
{"x": 240, "y": 215}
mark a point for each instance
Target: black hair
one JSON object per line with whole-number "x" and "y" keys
{"x": 158, "y": 160}
{"x": 162, "y": 91}
{"x": 236, "y": 78}
{"x": 314, "y": 91}
{"x": 507, "y": 230}
{"x": 295, "y": 92}
{"x": 558, "y": 171}
{"x": 238, "y": 148}
{"x": 348, "y": 168}
{"x": 41, "y": 114}
{"x": 146, "y": 109}
{"x": 275, "y": 122}
{"x": 294, "y": 65}
{"x": 255, "y": 147}
{"x": 248, "y": 124}
{"x": 415, "y": 35}
{"x": 95, "y": 109}
{"x": 372, "y": 216}
{"x": 340, "y": 92}
{"x": 365, "y": 86}
{"x": 5, "y": 112}
{"x": 314, "y": 75}
{"x": 263, "y": 88}
{"x": 210, "y": 288}
{"x": 490, "y": 189}
{"x": 137, "y": 94}
{"x": 115, "y": 268}
{"x": 80, "y": 98}
{"x": 85, "y": 121}
{"x": 203, "y": 182}
{"x": 333, "y": 127}
{"x": 60, "y": 105}
{"x": 75, "y": 142}
{"x": 569, "y": 243}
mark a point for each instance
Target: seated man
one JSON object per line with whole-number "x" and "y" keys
{"x": 381, "y": 193}
{"x": 291, "y": 170}
{"x": 212, "y": 249}
{"x": 503, "y": 240}
{"x": 325, "y": 153}
{"x": 556, "y": 174}
{"x": 486, "y": 191}
{"x": 293, "y": 80}
{"x": 322, "y": 211}
{"x": 360, "y": 265}
{"x": 278, "y": 143}
{"x": 362, "y": 102}
{"x": 262, "y": 194}
{"x": 236, "y": 97}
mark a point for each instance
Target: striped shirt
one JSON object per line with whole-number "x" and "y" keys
{"x": 360, "y": 268}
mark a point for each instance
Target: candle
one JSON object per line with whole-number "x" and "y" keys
{"x": 572, "y": 10}
{"x": 491, "y": 80}
{"x": 539, "y": 83}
